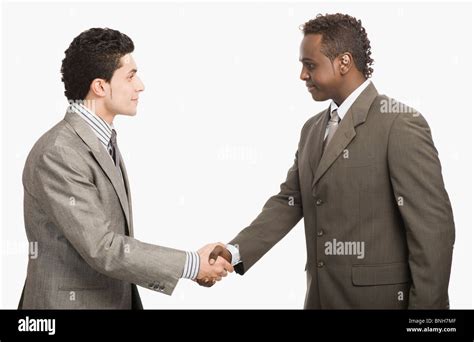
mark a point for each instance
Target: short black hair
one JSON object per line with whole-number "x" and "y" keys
{"x": 342, "y": 33}
{"x": 95, "y": 53}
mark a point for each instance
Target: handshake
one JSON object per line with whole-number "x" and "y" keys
{"x": 215, "y": 263}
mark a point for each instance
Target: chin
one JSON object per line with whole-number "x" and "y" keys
{"x": 319, "y": 97}
{"x": 130, "y": 113}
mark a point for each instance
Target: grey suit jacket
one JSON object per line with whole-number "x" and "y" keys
{"x": 378, "y": 182}
{"x": 78, "y": 209}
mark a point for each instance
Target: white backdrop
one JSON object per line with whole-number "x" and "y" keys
{"x": 219, "y": 122}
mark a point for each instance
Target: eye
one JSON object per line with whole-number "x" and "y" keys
{"x": 310, "y": 66}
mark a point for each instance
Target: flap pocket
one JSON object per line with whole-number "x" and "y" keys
{"x": 75, "y": 288}
{"x": 83, "y": 284}
{"x": 380, "y": 274}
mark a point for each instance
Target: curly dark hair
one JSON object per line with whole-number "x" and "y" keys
{"x": 342, "y": 33}
{"x": 95, "y": 53}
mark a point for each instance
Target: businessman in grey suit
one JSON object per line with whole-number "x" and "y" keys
{"x": 77, "y": 200}
{"x": 367, "y": 181}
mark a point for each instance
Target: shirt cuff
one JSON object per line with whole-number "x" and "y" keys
{"x": 191, "y": 266}
{"x": 234, "y": 251}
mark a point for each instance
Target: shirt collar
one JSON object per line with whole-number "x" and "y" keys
{"x": 349, "y": 101}
{"x": 99, "y": 126}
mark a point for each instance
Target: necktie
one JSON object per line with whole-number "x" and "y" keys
{"x": 332, "y": 127}
{"x": 113, "y": 148}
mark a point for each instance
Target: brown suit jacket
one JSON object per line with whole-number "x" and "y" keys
{"x": 378, "y": 183}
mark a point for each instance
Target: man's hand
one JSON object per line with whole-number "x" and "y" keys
{"x": 220, "y": 251}
{"x": 214, "y": 264}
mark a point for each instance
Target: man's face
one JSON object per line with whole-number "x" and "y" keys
{"x": 319, "y": 73}
{"x": 124, "y": 88}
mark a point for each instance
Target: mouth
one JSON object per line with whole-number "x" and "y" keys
{"x": 135, "y": 100}
{"x": 310, "y": 87}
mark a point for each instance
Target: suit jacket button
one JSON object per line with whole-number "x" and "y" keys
{"x": 162, "y": 288}
{"x": 320, "y": 232}
{"x": 150, "y": 285}
{"x": 319, "y": 202}
{"x": 320, "y": 264}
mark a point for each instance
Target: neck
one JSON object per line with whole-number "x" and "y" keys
{"x": 347, "y": 88}
{"x": 98, "y": 108}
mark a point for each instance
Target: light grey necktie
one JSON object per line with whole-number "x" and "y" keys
{"x": 332, "y": 127}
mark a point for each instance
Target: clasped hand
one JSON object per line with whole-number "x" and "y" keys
{"x": 215, "y": 263}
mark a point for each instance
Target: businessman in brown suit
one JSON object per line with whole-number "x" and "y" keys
{"x": 77, "y": 199}
{"x": 367, "y": 181}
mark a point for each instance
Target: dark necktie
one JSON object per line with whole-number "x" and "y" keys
{"x": 113, "y": 148}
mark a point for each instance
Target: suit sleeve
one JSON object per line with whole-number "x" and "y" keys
{"x": 65, "y": 187}
{"x": 279, "y": 215}
{"x": 423, "y": 203}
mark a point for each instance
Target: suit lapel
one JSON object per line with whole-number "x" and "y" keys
{"x": 316, "y": 140}
{"x": 343, "y": 136}
{"x": 103, "y": 159}
{"x": 345, "y": 133}
{"x": 127, "y": 189}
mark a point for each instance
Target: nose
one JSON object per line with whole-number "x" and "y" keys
{"x": 304, "y": 74}
{"x": 140, "y": 86}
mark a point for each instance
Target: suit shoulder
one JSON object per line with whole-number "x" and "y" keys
{"x": 401, "y": 118}
{"x": 391, "y": 110}
{"x": 388, "y": 105}
{"x": 60, "y": 137}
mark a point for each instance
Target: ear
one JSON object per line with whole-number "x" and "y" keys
{"x": 98, "y": 87}
{"x": 346, "y": 62}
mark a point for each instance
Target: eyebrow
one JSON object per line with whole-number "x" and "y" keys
{"x": 306, "y": 60}
{"x": 133, "y": 71}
